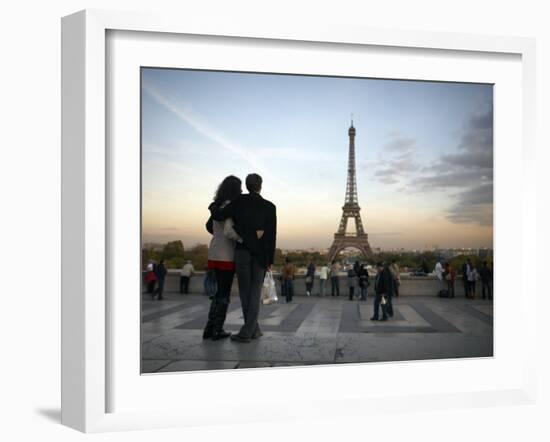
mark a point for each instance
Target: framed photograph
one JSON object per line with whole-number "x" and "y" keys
{"x": 252, "y": 213}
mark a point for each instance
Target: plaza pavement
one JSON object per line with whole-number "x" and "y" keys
{"x": 313, "y": 330}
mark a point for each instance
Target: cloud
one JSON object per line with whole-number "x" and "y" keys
{"x": 399, "y": 144}
{"x": 397, "y": 161}
{"x": 469, "y": 171}
{"x": 388, "y": 180}
{"x": 474, "y": 205}
{"x": 464, "y": 178}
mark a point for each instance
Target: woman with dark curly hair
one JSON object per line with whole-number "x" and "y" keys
{"x": 221, "y": 258}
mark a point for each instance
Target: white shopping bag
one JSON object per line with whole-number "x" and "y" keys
{"x": 269, "y": 293}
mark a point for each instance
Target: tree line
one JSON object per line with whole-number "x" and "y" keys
{"x": 175, "y": 255}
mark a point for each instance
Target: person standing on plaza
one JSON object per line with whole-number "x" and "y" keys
{"x": 352, "y": 276}
{"x": 394, "y": 269}
{"x": 160, "y": 273}
{"x": 288, "y": 274}
{"x": 491, "y": 278}
{"x": 485, "y": 276}
{"x": 363, "y": 281}
{"x": 466, "y": 269}
{"x": 438, "y": 270}
{"x": 391, "y": 291}
{"x": 310, "y": 277}
{"x": 150, "y": 278}
{"x": 323, "y": 276}
{"x": 334, "y": 279}
{"x": 221, "y": 258}
{"x": 424, "y": 267}
{"x": 472, "y": 278}
{"x": 382, "y": 288}
{"x": 357, "y": 270}
{"x": 185, "y": 276}
{"x": 255, "y": 221}
{"x": 449, "y": 276}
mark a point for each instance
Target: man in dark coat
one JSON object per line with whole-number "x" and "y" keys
{"x": 383, "y": 290}
{"x": 160, "y": 273}
{"x": 485, "y": 275}
{"x": 255, "y": 221}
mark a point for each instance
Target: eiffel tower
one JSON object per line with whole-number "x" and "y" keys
{"x": 351, "y": 209}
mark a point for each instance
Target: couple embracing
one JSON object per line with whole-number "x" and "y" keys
{"x": 244, "y": 228}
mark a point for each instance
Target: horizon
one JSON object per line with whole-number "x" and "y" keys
{"x": 424, "y": 155}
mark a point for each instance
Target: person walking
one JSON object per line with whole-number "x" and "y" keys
{"x": 394, "y": 269}
{"x": 255, "y": 221}
{"x": 352, "y": 276}
{"x": 288, "y": 274}
{"x": 382, "y": 287}
{"x": 363, "y": 281}
{"x": 323, "y": 276}
{"x": 310, "y": 278}
{"x": 334, "y": 279}
{"x": 185, "y": 276}
{"x": 485, "y": 276}
{"x": 160, "y": 273}
{"x": 221, "y": 258}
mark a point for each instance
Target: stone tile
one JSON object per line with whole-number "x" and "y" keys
{"x": 410, "y": 347}
{"x": 467, "y": 324}
{"x": 323, "y": 320}
{"x": 190, "y": 365}
{"x": 273, "y": 346}
{"x": 152, "y": 365}
{"x": 253, "y": 364}
{"x": 311, "y": 331}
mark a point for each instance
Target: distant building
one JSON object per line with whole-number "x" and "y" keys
{"x": 484, "y": 253}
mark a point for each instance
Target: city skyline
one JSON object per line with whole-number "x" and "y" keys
{"x": 424, "y": 155}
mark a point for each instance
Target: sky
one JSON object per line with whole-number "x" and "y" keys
{"x": 424, "y": 155}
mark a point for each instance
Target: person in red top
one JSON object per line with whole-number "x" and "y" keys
{"x": 450, "y": 275}
{"x": 151, "y": 279}
{"x": 221, "y": 258}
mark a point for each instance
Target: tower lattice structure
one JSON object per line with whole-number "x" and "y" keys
{"x": 350, "y": 210}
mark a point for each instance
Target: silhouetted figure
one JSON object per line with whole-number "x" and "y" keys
{"x": 310, "y": 278}
{"x": 382, "y": 288}
{"x": 287, "y": 285}
{"x": 394, "y": 269}
{"x": 185, "y": 276}
{"x": 255, "y": 221}
{"x": 160, "y": 273}
{"x": 363, "y": 281}
{"x": 151, "y": 279}
{"x": 466, "y": 270}
{"x": 351, "y": 282}
{"x": 334, "y": 279}
{"x": 449, "y": 275}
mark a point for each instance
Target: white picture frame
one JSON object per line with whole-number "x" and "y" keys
{"x": 86, "y": 204}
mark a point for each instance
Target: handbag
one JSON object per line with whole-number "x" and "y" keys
{"x": 269, "y": 293}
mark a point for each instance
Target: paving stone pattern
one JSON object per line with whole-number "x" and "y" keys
{"x": 313, "y": 330}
